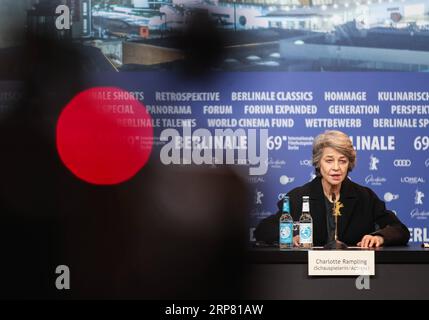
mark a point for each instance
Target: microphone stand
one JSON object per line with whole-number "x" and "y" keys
{"x": 336, "y": 244}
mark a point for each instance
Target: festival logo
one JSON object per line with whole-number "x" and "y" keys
{"x": 258, "y": 196}
{"x": 418, "y": 199}
{"x": 373, "y": 161}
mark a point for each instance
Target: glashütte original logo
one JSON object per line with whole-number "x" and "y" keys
{"x": 375, "y": 181}
{"x": 419, "y": 215}
{"x": 260, "y": 214}
{"x": 276, "y": 164}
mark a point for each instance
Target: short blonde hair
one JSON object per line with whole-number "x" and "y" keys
{"x": 336, "y": 140}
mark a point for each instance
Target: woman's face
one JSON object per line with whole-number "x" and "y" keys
{"x": 333, "y": 166}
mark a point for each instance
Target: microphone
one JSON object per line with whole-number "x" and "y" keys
{"x": 334, "y": 200}
{"x": 335, "y": 243}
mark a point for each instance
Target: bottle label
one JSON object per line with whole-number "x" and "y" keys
{"x": 306, "y": 233}
{"x": 286, "y": 207}
{"x": 305, "y": 207}
{"x": 286, "y": 232}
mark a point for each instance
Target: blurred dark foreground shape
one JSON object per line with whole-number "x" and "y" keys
{"x": 167, "y": 233}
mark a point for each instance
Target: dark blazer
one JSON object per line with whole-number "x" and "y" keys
{"x": 363, "y": 213}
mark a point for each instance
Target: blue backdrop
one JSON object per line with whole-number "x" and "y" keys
{"x": 387, "y": 114}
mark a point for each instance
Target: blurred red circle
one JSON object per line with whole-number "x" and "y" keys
{"x": 104, "y": 135}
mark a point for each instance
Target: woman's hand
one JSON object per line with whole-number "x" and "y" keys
{"x": 296, "y": 241}
{"x": 369, "y": 241}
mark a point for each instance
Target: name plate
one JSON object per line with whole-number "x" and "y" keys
{"x": 341, "y": 263}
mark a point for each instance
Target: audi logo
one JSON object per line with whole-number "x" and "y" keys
{"x": 402, "y": 163}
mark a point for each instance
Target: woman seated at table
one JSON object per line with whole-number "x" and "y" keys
{"x": 364, "y": 219}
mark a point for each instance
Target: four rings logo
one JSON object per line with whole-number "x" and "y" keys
{"x": 402, "y": 163}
